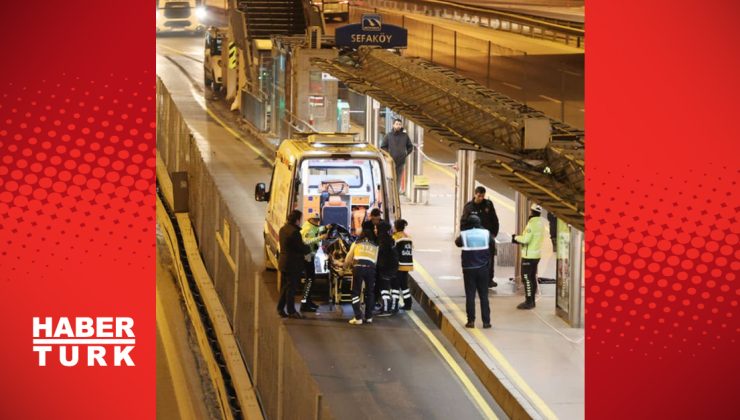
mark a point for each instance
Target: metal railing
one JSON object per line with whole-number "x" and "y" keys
{"x": 534, "y": 80}
{"x": 494, "y": 19}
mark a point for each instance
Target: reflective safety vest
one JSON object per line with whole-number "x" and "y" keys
{"x": 532, "y": 238}
{"x": 476, "y": 244}
{"x": 405, "y": 251}
{"x": 310, "y": 234}
{"x": 364, "y": 253}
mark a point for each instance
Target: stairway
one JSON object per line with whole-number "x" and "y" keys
{"x": 273, "y": 17}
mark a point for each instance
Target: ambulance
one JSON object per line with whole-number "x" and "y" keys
{"x": 336, "y": 176}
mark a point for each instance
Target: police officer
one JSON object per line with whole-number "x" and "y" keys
{"x": 363, "y": 257}
{"x": 483, "y": 208}
{"x": 312, "y": 234}
{"x": 476, "y": 256}
{"x": 387, "y": 268}
{"x": 531, "y": 247}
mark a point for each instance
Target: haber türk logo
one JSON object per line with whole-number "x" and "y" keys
{"x": 100, "y": 341}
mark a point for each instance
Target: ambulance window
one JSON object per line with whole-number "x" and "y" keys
{"x": 352, "y": 175}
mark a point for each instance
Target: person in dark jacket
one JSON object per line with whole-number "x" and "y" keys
{"x": 476, "y": 256}
{"x": 483, "y": 208}
{"x": 405, "y": 252}
{"x": 398, "y": 144}
{"x": 290, "y": 263}
{"x": 387, "y": 267}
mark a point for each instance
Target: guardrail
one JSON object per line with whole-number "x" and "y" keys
{"x": 498, "y": 20}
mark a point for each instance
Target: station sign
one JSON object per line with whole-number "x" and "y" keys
{"x": 373, "y": 32}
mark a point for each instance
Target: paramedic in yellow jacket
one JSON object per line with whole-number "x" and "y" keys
{"x": 363, "y": 258}
{"x": 531, "y": 248}
{"x": 405, "y": 251}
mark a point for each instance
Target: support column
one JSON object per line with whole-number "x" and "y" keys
{"x": 576, "y": 274}
{"x": 418, "y": 159}
{"x": 410, "y": 166}
{"x": 521, "y": 204}
{"x": 371, "y": 121}
{"x": 464, "y": 183}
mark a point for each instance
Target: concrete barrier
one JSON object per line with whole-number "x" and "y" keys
{"x": 278, "y": 372}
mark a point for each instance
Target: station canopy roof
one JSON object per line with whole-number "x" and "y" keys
{"x": 468, "y": 115}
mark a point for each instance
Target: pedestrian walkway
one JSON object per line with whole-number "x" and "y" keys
{"x": 535, "y": 353}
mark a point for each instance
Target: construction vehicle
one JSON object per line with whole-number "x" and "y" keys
{"x": 213, "y": 67}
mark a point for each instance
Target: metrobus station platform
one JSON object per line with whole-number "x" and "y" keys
{"x": 531, "y": 355}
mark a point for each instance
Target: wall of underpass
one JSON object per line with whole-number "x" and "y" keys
{"x": 249, "y": 298}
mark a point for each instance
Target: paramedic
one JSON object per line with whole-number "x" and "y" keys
{"x": 362, "y": 257}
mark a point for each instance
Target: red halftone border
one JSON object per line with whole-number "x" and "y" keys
{"x": 662, "y": 210}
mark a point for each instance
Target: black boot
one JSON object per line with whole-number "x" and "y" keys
{"x": 527, "y": 304}
{"x": 306, "y": 304}
{"x": 306, "y": 307}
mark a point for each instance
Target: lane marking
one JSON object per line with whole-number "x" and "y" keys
{"x": 512, "y": 85}
{"x": 550, "y": 99}
{"x": 472, "y": 390}
{"x": 180, "y": 52}
{"x": 200, "y": 100}
{"x": 238, "y": 136}
{"x": 481, "y": 339}
{"x": 427, "y": 250}
{"x": 572, "y": 73}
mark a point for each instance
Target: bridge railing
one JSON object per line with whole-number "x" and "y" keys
{"x": 556, "y": 90}
{"x": 567, "y": 33}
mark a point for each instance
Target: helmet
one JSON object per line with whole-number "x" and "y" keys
{"x": 474, "y": 221}
{"x": 537, "y": 208}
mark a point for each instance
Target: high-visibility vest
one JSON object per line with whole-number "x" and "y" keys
{"x": 476, "y": 251}
{"x": 531, "y": 239}
{"x": 405, "y": 251}
{"x": 365, "y": 253}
